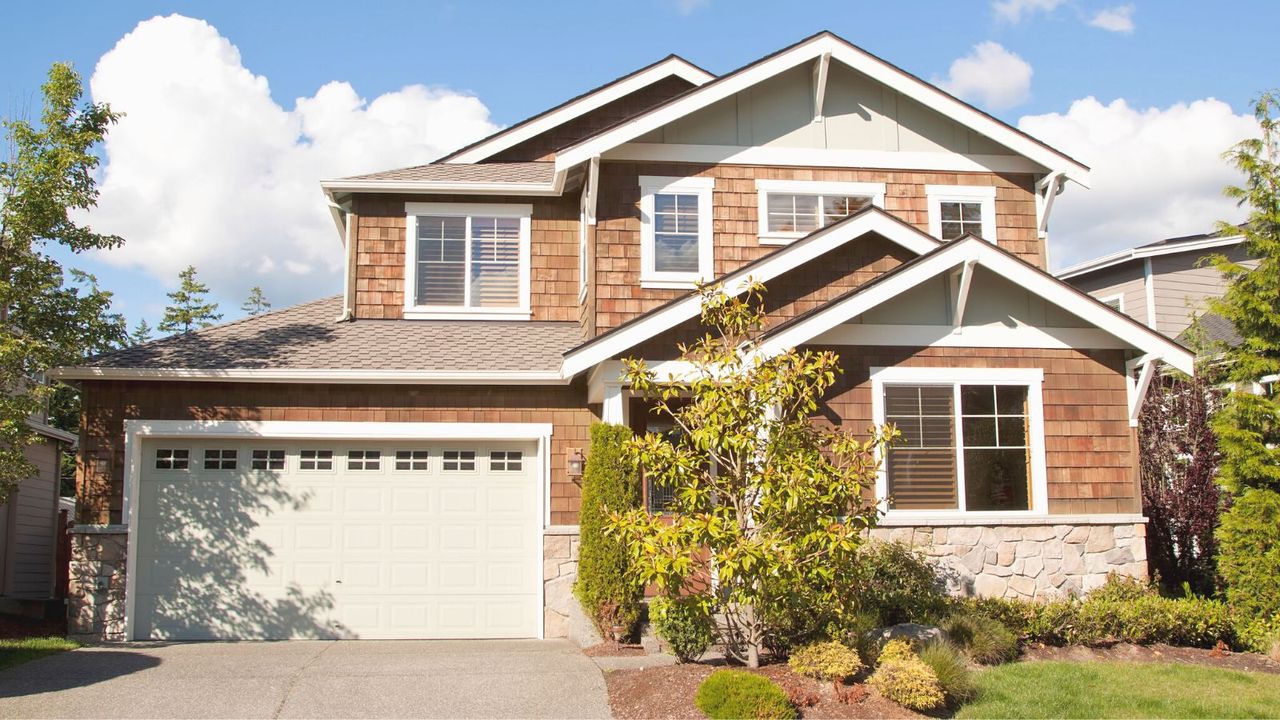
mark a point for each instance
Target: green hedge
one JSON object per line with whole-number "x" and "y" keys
{"x": 609, "y": 484}
{"x": 737, "y": 694}
{"x": 1249, "y": 553}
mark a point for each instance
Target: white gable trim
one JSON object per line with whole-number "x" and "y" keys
{"x": 859, "y": 60}
{"x": 871, "y": 220}
{"x": 523, "y": 131}
{"x": 822, "y": 157}
{"x": 970, "y": 248}
{"x": 1116, "y": 258}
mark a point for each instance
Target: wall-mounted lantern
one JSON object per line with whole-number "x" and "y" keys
{"x": 577, "y": 462}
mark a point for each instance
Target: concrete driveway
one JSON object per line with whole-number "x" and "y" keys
{"x": 297, "y": 679}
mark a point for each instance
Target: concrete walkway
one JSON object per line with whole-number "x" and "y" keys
{"x": 326, "y": 679}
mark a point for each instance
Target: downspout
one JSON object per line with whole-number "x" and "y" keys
{"x": 346, "y": 222}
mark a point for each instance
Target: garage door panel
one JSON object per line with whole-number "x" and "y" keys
{"x": 412, "y": 552}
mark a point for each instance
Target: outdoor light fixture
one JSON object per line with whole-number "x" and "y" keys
{"x": 577, "y": 461}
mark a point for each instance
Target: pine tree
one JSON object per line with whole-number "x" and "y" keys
{"x": 141, "y": 333}
{"x": 257, "y": 302}
{"x": 188, "y": 309}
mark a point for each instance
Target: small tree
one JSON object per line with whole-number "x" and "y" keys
{"x": 1178, "y": 453}
{"x": 607, "y": 591}
{"x": 188, "y": 309}
{"x": 141, "y": 333}
{"x": 256, "y": 303}
{"x": 765, "y": 499}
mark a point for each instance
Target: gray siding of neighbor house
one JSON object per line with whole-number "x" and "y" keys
{"x": 1182, "y": 286}
{"x": 1126, "y": 280}
{"x": 28, "y": 530}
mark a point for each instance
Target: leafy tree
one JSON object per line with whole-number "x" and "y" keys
{"x": 141, "y": 333}
{"x": 609, "y": 484}
{"x": 256, "y": 303}
{"x": 47, "y": 319}
{"x": 188, "y": 308}
{"x": 1178, "y": 454}
{"x": 765, "y": 500}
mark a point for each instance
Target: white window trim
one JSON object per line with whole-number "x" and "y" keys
{"x": 1118, "y": 297}
{"x": 413, "y": 311}
{"x": 1031, "y": 378}
{"x": 984, "y": 194}
{"x": 582, "y": 249}
{"x": 702, "y": 187}
{"x": 875, "y": 191}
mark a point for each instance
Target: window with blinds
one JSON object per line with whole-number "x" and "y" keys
{"x": 791, "y": 213}
{"x": 468, "y": 261}
{"x": 921, "y": 467}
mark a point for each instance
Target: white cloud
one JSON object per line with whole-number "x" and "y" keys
{"x": 207, "y": 169}
{"x": 991, "y": 76}
{"x": 1117, "y": 19}
{"x": 1156, "y": 173}
{"x": 1014, "y": 10}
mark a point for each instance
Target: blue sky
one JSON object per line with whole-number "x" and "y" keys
{"x": 519, "y": 58}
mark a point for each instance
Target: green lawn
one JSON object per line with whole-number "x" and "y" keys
{"x": 16, "y": 652}
{"x": 1122, "y": 690}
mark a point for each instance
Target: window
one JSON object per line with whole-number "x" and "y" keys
{"x": 459, "y": 460}
{"x": 1115, "y": 302}
{"x": 791, "y": 209}
{"x": 172, "y": 459}
{"x": 413, "y": 460}
{"x": 958, "y": 210}
{"x": 315, "y": 460}
{"x": 971, "y": 439}
{"x": 508, "y": 460}
{"x": 263, "y": 459}
{"x": 219, "y": 459}
{"x": 364, "y": 459}
{"x": 675, "y": 231}
{"x": 467, "y": 259}
{"x": 658, "y": 497}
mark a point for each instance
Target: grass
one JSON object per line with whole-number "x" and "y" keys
{"x": 17, "y": 652}
{"x": 1122, "y": 690}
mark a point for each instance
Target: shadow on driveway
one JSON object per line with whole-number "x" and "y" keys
{"x": 72, "y": 669}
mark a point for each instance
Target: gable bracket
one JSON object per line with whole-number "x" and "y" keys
{"x": 1050, "y": 187}
{"x": 962, "y": 296}
{"x": 1138, "y": 386}
{"x": 592, "y": 190}
{"x": 821, "y": 68}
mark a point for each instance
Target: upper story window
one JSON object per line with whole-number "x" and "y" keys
{"x": 959, "y": 210}
{"x": 675, "y": 231}
{"x": 791, "y": 209}
{"x": 468, "y": 260}
{"x": 971, "y": 440}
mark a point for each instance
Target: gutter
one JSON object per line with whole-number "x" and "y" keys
{"x": 303, "y": 375}
{"x": 553, "y": 188}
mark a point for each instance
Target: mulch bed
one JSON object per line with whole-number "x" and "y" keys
{"x": 13, "y": 627}
{"x": 668, "y": 692}
{"x": 1124, "y": 652}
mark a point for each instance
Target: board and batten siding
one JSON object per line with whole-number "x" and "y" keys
{"x": 29, "y": 529}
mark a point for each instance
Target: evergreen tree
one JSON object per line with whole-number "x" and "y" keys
{"x": 257, "y": 302}
{"x": 141, "y": 333}
{"x": 189, "y": 309}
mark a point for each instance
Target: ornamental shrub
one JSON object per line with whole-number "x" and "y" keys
{"x": 894, "y": 650}
{"x": 906, "y": 680}
{"x": 684, "y": 625}
{"x": 986, "y": 640}
{"x": 737, "y": 694}
{"x": 952, "y": 669}
{"x": 608, "y": 592}
{"x": 898, "y": 584}
{"x": 826, "y": 661}
{"x": 1249, "y": 553}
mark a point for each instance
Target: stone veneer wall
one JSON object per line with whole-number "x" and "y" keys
{"x": 1029, "y": 561}
{"x": 562, "y": 616}
{"x": 95, "y": 598}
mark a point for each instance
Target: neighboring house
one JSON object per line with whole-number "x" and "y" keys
{"x": 30, "y": 528}
{"x": 1165, "y": 284}
{"x": 396, "y": 461}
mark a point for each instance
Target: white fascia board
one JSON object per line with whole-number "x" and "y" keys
{"x": 822, "y": 157}
{"x": 323, "y": 430}
{"x": 446, "y": 188}
{"x": 792, "y": 256}
{"x": 281, "y": 375}
{"x": 988, "y": 336}
{"x": 1045, "y": 286}
{"x": 1117, "y": 258}
{"x": 51, "y": 432}
{"x": 523, "y": 131}
{"x": 859, "y": 60}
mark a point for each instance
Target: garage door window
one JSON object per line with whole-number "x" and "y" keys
{"x": 364, "y": 459}
{"x": 413, "y": 460}
{"x": 508, "y": 460}
{"x": 315, "y": 460}
{"x": 460, "y": 460}
{"x": 219, "y": 459}
{"x": 172, "y": 459}
{"x": 266, "y": 459}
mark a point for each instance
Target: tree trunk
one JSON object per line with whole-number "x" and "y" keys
{"x": 753, "y": 636}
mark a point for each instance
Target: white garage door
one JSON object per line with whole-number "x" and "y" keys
{"x": 266, "y": 539}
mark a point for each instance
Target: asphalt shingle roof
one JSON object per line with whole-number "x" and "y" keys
{"x": 305, "y": 337}
{"x": 1212, "y": 330}
{"x": 513, "y": 172}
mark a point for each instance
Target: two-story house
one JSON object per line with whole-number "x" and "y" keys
{"x": 400, "y": 460}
